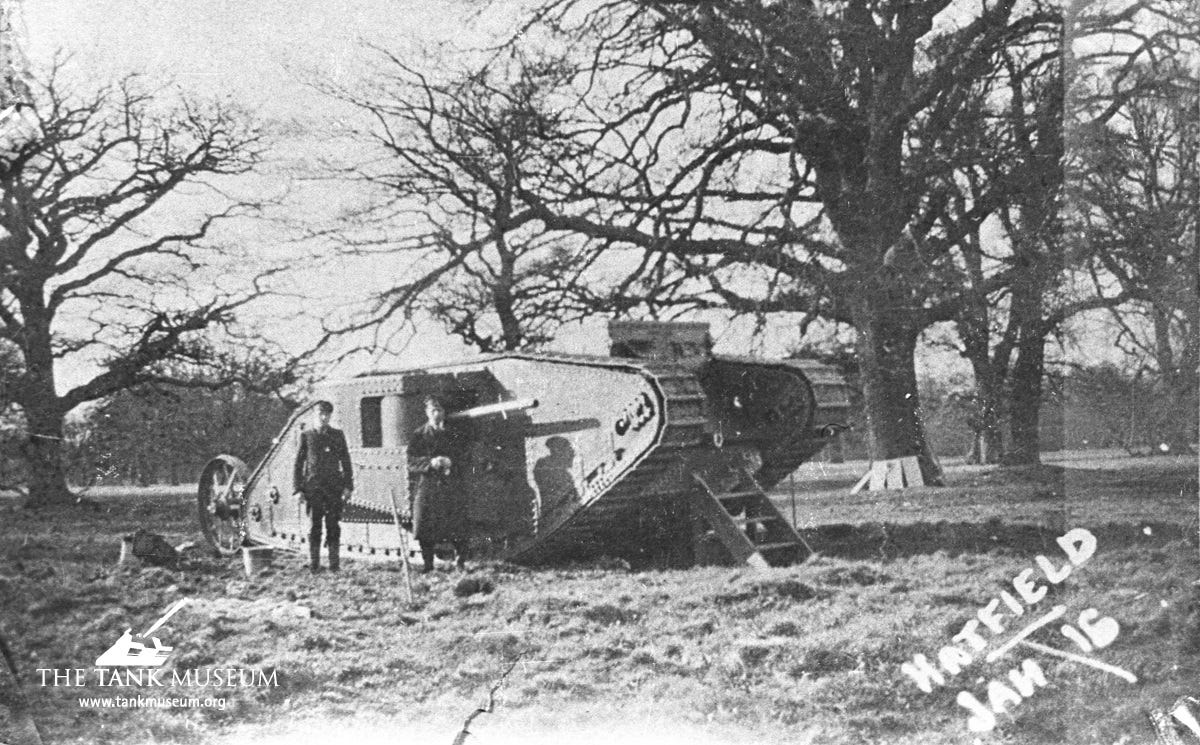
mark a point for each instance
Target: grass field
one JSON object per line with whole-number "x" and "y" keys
{"x": 811, "y": 653}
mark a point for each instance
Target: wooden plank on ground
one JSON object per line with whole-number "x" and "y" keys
{"x": 878, "y": 475}
{"x": 862, "y": 483}
{"x": 897, "y": 473}
{"x": 894, "y": 477}
{"x": 912, "y": 471}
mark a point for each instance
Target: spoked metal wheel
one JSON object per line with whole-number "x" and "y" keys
{"x": 220, "y": 503}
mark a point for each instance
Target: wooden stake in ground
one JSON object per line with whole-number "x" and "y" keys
{"x": 408, "y": 590}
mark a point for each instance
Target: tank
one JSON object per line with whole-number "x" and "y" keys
{"x": 661, "y": 454}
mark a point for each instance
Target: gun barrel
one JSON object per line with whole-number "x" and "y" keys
{"x": 504, "y": 407}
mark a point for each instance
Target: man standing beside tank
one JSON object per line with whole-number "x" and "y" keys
{"x": 437, "y": 460}
{"x": 324, "y": 477}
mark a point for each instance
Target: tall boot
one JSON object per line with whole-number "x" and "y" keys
{"x": 333, "y": 537}
{"x": 314, "y": 555}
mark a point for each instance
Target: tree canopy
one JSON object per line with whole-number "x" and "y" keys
{"x": 99, "y": 253}
{"x": 451, "y": 152}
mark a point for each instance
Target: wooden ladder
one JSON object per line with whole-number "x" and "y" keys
{"x": 745, "y": 521}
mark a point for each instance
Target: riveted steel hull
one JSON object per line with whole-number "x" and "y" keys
{"x": 593, "y": 463}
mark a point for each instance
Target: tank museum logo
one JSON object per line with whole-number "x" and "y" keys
{"x": 1091, "y": 632}
{"x": 133, "y": 660}
{"x": 126, "y": 652}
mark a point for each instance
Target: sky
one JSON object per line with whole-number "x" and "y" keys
{"x": 252, "y": 51}
{"x": 263, "y": 55}
{"x": 260, "y": 54}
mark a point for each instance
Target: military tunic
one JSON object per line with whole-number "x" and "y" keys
{"x": 323, "y": 472}
{"x": 440, "y": 508}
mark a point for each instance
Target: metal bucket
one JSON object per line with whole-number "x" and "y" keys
{"x": 256, "y": 558}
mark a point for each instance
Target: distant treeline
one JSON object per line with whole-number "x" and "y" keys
{"x": 1097, "y": 406}
{"x": 156, "y": 435}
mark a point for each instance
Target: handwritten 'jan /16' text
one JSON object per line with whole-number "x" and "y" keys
{"x": 980, "y": 637}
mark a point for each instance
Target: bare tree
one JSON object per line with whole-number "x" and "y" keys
{"x": 1003, "y": 334}
{"x": 452, "y": 153}
{"x": 1047, "y": 109}
{"x": 101, "y": 211}
{"x": 807, "y": 157}
{"x": 803, "y": 147}
{"x": 1139, "y": 209}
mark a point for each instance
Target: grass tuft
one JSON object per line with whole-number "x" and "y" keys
{"x": 608, "y": 615}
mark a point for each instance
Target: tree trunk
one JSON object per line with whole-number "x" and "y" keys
{"x": 43, "y": 450}
{"x": 973, "y": 325}
{"x": 43, "y": 453}
{"x": 988, "y": 445}
{"x": 990, "y": 442}
{"x": 1025, "y": 381}
{"x": 1025, "y": 399}
{"x": 1176, "y": 432}
{"x": 886, "y": 345}
{"x": 511, "y": 334}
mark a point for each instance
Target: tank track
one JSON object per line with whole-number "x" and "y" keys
{"x": 645, "y": 514}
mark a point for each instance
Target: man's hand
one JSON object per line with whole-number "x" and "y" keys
{"x": 346, "y": 494}
{"x": 440, "y": 462}
{"x": 298, "y": 495}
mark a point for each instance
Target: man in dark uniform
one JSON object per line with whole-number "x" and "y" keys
{"x": 324, "y": 477}
{"x": 437, "y": 461}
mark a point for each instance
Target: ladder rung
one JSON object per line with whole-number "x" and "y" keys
{"x": 774, "y": 546}
{"x": 744, "y": 521}
{"x": 688, "y": 421}
{"x": 739, "y": 494}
